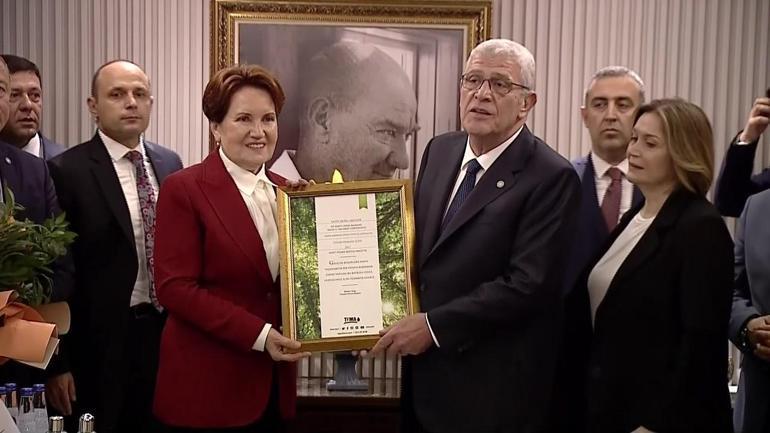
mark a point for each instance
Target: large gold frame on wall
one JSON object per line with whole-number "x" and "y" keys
{"x": 474, "y": 17}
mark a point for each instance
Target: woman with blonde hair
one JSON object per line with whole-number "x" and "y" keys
{"x": 659, "y": 292}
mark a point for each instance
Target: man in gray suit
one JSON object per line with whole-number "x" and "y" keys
{"x": 26, "y": 97}
{"x": 750, "y": 319}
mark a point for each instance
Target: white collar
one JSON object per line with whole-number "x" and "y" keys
{"x": 486, "y": 160}
{"x": 34, "y": 146}
{"x": 284, "y": 166}
{"x": 245, "y": 180}
{"x": 601, "y": 166}
{"x": 118, "y": 151}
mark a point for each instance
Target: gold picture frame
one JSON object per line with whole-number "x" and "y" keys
{"x": 474, "y": 16}
{"x": 301, "y": 249}
{"x": 430, "y": 38}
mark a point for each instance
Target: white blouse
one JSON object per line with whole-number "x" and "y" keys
{"x": 604, "y": 272}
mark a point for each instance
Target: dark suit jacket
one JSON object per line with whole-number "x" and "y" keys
{"x": 658, "y": 356}
{"x": 592, "y": 231}
{"x": 106, "y": 260}
{"x": 50, "y": 149}
{"x": 752, "y": 298}
{"x": 28, "y": 178}
{"x": 490, "y": 285}
{"x": 736, "y": 183}
{"x": 213, "y": 278}
{"x": 30, "y": 182}
{"x": 591, "y": 237}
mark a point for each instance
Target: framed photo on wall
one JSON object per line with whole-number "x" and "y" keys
{"x": 394, "y": 66}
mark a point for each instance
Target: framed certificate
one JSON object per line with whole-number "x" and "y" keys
{"x": 347, "y": 262}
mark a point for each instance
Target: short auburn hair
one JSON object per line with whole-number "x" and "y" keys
{"x": 690, "y": 141}
{"x": 223, "y": 85}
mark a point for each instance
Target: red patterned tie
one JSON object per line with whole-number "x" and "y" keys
{"x": 611, "y": 202}
{"x": 147, "y": 206}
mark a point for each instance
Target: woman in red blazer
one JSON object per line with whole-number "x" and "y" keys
{"x": 223, "y": 364}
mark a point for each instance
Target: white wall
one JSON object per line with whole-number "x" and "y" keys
{"x": 70, "y": 39}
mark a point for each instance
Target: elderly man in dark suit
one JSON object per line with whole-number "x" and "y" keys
{"x": 495, "y": 209}
{"x": 750, "y": 318}
{"x": 26, "y": 97}
{"x": 108, "y": 187}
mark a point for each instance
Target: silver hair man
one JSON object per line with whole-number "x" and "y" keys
{"x": 616, "y": 71}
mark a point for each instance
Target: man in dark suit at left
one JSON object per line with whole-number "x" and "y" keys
{"x": 109, "y": 186}
{"x": 495, "y": 209}
{"x": 27, "y": 178}
{"x": 26, "y": 98}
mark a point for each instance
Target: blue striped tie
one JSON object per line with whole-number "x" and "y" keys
{"x": 469, "y": 181}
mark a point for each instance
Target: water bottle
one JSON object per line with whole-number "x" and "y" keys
{"x": 86, "y": 423}
{"x": 41, "y": 411}
{"x": 26, "y": 419}
{"x": 56, "y": 424}
{"x": 11, "y": 398}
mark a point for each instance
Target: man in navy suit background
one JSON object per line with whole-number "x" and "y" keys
{"x": 495, "y": 209}
{"x": 27, "y": 178}
{"x": 750, "y": 318}
{"x": 26, "y": 102}
{"x": 611, "y": 100}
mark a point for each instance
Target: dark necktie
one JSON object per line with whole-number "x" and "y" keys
{"x": 611, "y": 202}
{"x": 147, "y": 206}
{"x": 466, "y": 186}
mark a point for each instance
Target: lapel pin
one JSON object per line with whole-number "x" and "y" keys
{"x": 7, "y": 160}
{"x": 500, "y": 184}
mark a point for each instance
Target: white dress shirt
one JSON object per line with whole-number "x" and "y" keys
{"x": 258, "y": 194}
{"x": 602, "y": 180}
{"x": 485, "y": 161}
{"x": 604, "y": 272}
{"x": 127, "y": 177}
{"x": 33, "y": 146}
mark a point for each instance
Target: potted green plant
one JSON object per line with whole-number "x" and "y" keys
{"x": 27, "y": 250}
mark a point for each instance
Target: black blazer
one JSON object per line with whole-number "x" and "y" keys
{"x": 490, "y": 285}
{"x": 658, "y": 354}
{"x": 106, "y": 262}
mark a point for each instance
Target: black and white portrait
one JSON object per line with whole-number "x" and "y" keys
{"x": 362, "y": 100}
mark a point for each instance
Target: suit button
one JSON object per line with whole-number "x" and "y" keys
{"x": 422, "y": 287}
{"x": 269, "y": 295}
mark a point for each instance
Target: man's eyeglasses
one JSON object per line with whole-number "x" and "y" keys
{"x": 500, "y": 86}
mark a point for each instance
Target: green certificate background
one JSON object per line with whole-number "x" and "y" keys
{"x": 305, "y": 250}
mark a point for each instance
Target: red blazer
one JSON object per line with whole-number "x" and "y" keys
{"x": 212, "y": 277}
